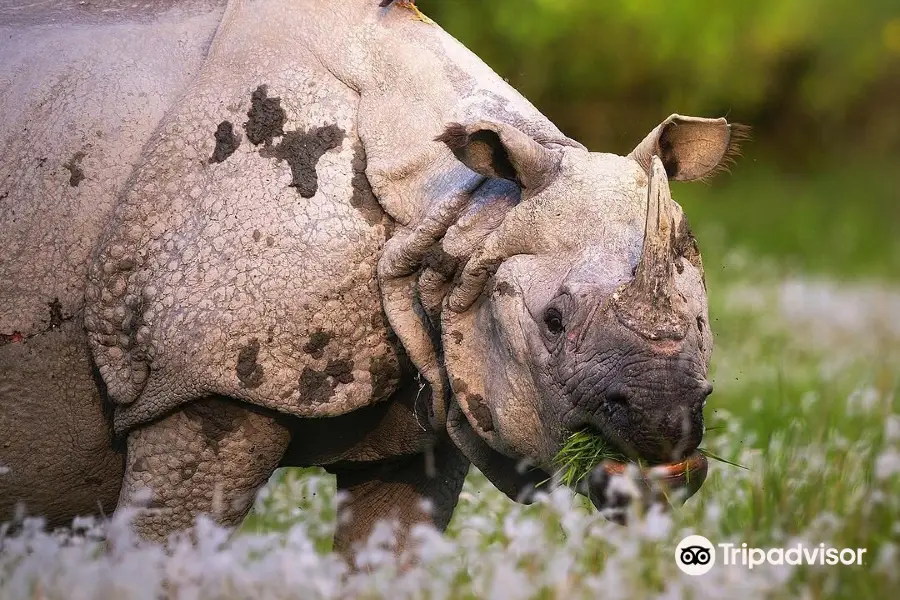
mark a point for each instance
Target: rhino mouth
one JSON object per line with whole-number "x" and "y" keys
{"x": 686, "y": 475}
{"x": 614, "y": 480}
{"x": 616, "y": 488}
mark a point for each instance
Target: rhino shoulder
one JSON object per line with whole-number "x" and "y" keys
{"x": 240, "y": 260}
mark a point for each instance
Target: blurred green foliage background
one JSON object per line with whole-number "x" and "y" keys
{"x": 818, "y": 81}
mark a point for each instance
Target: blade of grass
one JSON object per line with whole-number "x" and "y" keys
{"x": 718, "y": 458}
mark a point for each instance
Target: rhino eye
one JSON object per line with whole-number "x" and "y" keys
{"x": 553, "y": 321}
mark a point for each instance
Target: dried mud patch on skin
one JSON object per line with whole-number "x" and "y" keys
{"x": 249, "y": 372}
{"x": 440, "y": 261}
{"x": 340, "y": 370}
{"x": 316, "y": 345}
{"x": 505, "y": 289}
{"x": 318, "y": 386}
{"x": 686, "y": 247}
{"x": 314, "y": 386}
{"x": 76, "y": 173}
{"x": 266, "y": 118}
{"x": 302, "y": 151}
{"x": 475, "y": 404}
{"x": 385, "y": 372}
{"x": 481, "y": 412}
{"x": 217, "y": 418}
{"x": 56, "y": 314}
{"x": 227, "y": 141}
{"x": 363, "y": 198}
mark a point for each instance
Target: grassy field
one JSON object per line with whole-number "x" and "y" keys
{"x": 841, "y": 222}
{"x": 805, "y": 304}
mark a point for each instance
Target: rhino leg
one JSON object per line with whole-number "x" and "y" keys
{"x": 58, "y": 459}
{"x": 208, "y": 458}
{"x": 397, "y": 491}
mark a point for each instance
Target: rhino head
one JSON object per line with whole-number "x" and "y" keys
{"x": 583, "y": 307}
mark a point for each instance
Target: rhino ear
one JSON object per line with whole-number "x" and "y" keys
{"x": 501, "y": 151}
{"x": 691, "y": 147}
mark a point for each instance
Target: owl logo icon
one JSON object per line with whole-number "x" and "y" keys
{"x": 695, "y": 555}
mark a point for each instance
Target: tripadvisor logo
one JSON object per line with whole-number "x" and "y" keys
{"x": 696, "y": 555}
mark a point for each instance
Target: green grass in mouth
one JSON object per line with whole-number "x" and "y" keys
{"x": 585, "y": 449}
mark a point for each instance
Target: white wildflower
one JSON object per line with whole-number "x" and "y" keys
{"x": 887, "y": 464}
{"x": 892, "y": 429}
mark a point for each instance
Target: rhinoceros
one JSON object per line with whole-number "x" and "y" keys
{"x": 259, "y": 233}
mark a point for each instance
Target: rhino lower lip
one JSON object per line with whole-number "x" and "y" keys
{"x": 688, "y": 474}
{"x": 663, "y": 484}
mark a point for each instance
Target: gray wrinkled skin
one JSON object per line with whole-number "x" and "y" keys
{"x": 241, "y": 212}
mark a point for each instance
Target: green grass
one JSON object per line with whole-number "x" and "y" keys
{"x": 582, "y": 451}
{"x": 840, "y": 221}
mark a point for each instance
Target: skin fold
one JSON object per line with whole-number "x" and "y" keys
{"x": 271, "y": 233}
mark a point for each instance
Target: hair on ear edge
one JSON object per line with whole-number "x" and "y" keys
{"x": 454, "y": 136}
{"x": 738, "y": 134}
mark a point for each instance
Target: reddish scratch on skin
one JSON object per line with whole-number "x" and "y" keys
{"x": 15, "y": 336}
{"x": 667, "y": 347}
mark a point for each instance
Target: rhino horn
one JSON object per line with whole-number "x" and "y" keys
{"x": 647, "y": 304}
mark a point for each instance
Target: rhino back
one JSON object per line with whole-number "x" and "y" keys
{"x": 79, "y": 100}
{"x": 240, "y": 260}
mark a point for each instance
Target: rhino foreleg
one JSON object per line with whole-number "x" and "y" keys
{"x": 418, "y": 489}
{"x": 208, "y": 458}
